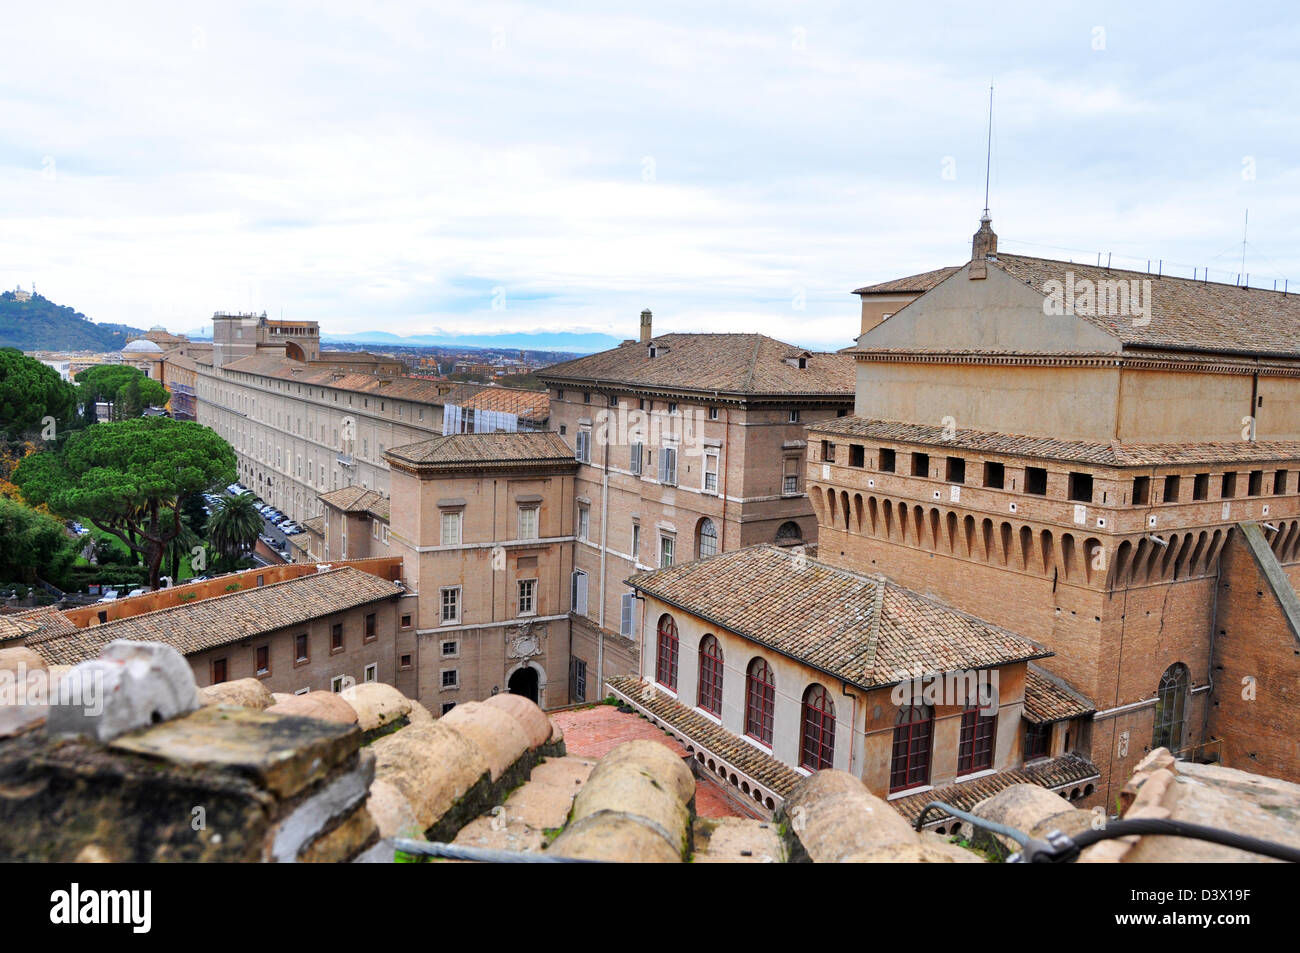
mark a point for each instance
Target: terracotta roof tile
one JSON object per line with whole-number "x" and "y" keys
{"x": 353, "y": 499}
{"x": 862, "y": 629}
{"x": 746, "y": 364}
{"x": 1048, "y": 699}
{"x": 209, "y": 623}
{"x": 760, "y": 766}
{"x": 1049, "y": 448}
{"x": 912, "y": 284}
{"x": 34, "y": 623}
{"x": 482, "y": 449}
{"x": 1065, "y": 771}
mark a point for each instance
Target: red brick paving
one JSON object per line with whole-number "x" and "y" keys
{"x": 595, "y": 731}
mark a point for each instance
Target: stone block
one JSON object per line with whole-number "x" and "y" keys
{"x": 327, "y": 706}
{"x": 242, "y": 693}
{"x": 130, "y": 686}
{"x": 376, "y": 704}
{"x": 497, "y": 734}
{"x": 531, "y": 718}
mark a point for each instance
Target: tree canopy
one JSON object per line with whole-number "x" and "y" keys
{"x": 29, "y": 392}
{"x": 235, "y": 526}
{"x": 32, "y": 544}
{"x": 122, "y": 385}
{"x": 130, "y": 479}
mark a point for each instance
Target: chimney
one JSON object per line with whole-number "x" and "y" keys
{"x": 646, "y": 334}
{"x": 985, "y": 241}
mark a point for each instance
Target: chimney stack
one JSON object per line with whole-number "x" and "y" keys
{"x": 646, "y": 334}
{"x": 985, "y": 241}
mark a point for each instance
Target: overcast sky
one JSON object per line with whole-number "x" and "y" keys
{"x": 496, "y": 166}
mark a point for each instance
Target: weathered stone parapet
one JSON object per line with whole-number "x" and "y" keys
{"x": 1029, "y": 808}
{"x": 242, "y": 692}
{"x": 831, "y": 817}
{"x": 636, "y": 806}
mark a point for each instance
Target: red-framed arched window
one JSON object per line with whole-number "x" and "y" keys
{"x": 666, "y": 658}
{"x": 975, "y": 746}
{"x": 709, "y": 696}
{"x": 760, "y": 701}
{"x": 913, "y": 729}
{"x": 818, "y": 748}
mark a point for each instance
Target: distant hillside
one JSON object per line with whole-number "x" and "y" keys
{"x": 572, "y": 341}
{"x": 38, "y": 324}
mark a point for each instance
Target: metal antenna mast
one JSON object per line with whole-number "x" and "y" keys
{"x": 988, "y": 154}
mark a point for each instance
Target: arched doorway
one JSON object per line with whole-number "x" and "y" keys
{"x": 524, "y": 682}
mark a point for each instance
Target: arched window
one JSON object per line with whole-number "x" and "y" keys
{"x": 708, "y": 542}
{"x": 818, "y": 748}
{"x": 710, "y": 692}
{"x": 910, "y": 767}
{"x": 760, "y": 701}
{"x": 788, "y": 534}
{"x": 1171, "y": 708}
{"x": 666, "y": 658}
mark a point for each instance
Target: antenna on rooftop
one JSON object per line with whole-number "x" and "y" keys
{"x": 988, "y": 155}
{"x": 1244, "y": 229}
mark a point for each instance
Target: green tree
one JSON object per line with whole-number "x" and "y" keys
{"x": 126, "y": 477}
{"x": 123, "y": 386}
{"x": 32, "y": 544}
{"x": 235, "y": 526}
{"x": 29, "y": 392}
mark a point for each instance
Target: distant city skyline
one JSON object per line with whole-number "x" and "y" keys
{"x": 506, "y": 168}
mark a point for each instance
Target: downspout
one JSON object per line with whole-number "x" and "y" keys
{"x": 726, "y": 447}
{"x": 853, "y": 724}
{"x": 604, "y": 551}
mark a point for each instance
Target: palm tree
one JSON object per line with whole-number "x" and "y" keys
{"x": 234, "y": 526}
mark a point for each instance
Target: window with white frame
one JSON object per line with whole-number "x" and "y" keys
{"x": 451, "y": 526}
{"x": 579, "y": 593}
{"x": 636, "y": 542}
{"x": 627, "y": 614}
{"x": 528, "y": 522}
{"x": 584, "y": 522}
{"x": 527, "y": 596}
{"x": 450, "y": 604}
{"x": 790, "y": 476}
{"x": 666, "y": 546}
{"x": 635, "y": 453}
{"x": 583, "y": 451}
{"x": 711, "y": 471}
{"x": 450, "y": 678}
{"x": 668, "y": 466}
{"x": 371, "y": 673}
{"x": 708, "y": 538}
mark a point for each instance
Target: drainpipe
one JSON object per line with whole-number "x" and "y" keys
{"x": 604, "y": 552}
{"x": 853, "y": 724}
{"x": 722, "y": 462}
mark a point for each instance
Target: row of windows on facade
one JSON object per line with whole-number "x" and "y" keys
{"x": 672, "y": 406}
{"x": 1079, "y": 486}
{"x": 913, "y": 730}
{"x": 450, "y": 601}
{"x": 247, "y": 404}
{"x": 301, "y": 648}
{"x": 638, "y": 456}
{"x": 452, "y": 523}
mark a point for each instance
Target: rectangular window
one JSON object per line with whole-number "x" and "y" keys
{"x": 450, "y": 648}
{"x": 404, "y": 662}
{"x": 219, "y": 671}
{"x": 1229, "y": 486}
{"x": 711, "y": 472}
{"x": 1201, "y": 486}
{"x": 1036, "y": 481}
{"x": 828, "y": 451}
{"x": 583, "y": 451}
{"x": 794, "y": 416}
{"x": 995, "y": 475}
{"x": 636, "y": 541}
{"x": 336, "y": 684}
{"x": 451, "y": 527}
{"x": 1038, "y": 741}
{"x": 672, "y": 407}
{"x": 527, "y": 593}
{"x": 579, "y": 591}
{"x": 371, "y": 632}
{"x": 1141, "y": 490}
{"x": 668, "y": 466}
{"x": 1080, "y": 487}
{"x": 627, "y": 614}
{"x": 634, "y": 458}
{"x": 887, "y": 460}
{"x": 1172, "y": 486}
{"x": 1279, "y": 482}
{"x": 790, "y": 476}
{"x": 666, "y": 546}
{"x": 336, "y": 637}
{"x": 920, "y": 464}
{"x": 527, "y": 522}
{"x": 451, "y": 678}
{"x": 370, "y": 673}
{"x": 406, "y": 622}
{"x": 584, "y": 522}
{"x": 577, "y": 680}
{"x": 447, "y": 706}
{"x": 713, "y": 413}
{"x": 975, "y": 747}
{"x": 301, "y": 649}
{"x": 857, "y": 455}
{"x": 451, "y": 604}
{"x": 955, "y": 470}
{"x": 1255, "y": 483}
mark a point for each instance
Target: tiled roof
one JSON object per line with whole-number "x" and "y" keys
{"x": 760, "y": 766}
{"x": 747, "y": 364}
{"x": 209, "y": 623}
{"x": 912, "y": 284}
{"x": 862, "y": 629}
{"x": 34, "y": 622}
{"x": 315, "y": 524}
{"x": 354, "y": 499}
{"x": 528, "y": 404}
{"x": 482, "y": 449}
{"x": 1048, "y": 699}
{"x": 1048, "y": 448}
{"x": 1059, "y": 772}
{"x": 1185, "y": 313}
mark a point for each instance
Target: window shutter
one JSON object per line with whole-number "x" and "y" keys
{"x": 580, "y": 592}
{"x": 629, "y": 605}
{"x": 634, "y": 463}
{"x": 670, "y": 460}
{"x": 663, "y": 466}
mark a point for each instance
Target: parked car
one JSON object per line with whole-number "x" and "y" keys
{"x": 290, "y": 528}
{"x": 109, "y": 596}
{"x": 140, "y": 591}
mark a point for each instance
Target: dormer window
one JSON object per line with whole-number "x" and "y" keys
{"x": 803, "y": 363}
{"x": 653, "y": 350}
